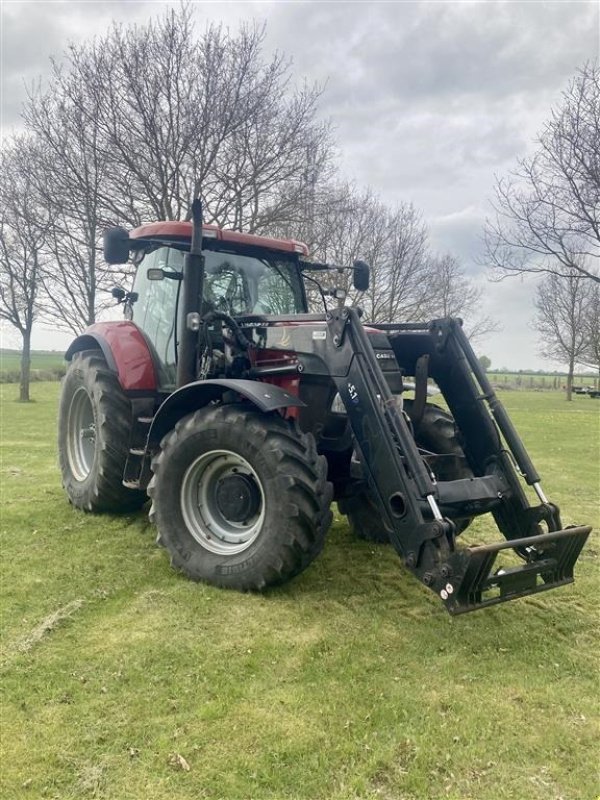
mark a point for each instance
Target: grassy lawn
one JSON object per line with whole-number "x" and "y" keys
{"x": 350, "y": 682}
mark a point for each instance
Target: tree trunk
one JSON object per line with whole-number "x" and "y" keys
{"x": 25, "y": 367}
{"x": 570, "y": 380}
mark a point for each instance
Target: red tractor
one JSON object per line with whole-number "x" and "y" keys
{"x": 243, "y": 417}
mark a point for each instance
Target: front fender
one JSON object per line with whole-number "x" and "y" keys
{"x": 195, "y": 395}
{"x": 125, "y": 350}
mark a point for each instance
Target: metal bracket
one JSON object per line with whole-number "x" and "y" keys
{"x": 441, "y": 329}
{"x": 550, "y": 562}
{"x": 336, "y": 322}
{"x": 421, "y": 375}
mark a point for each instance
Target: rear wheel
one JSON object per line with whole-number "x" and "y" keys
{"x": 94, "y": 428}
{"x": 436, "y": 433}
{"x": 240, "y": 499}
{"x": 365, "y": 520}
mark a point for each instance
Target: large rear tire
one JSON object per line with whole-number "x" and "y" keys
{"x": 94, "y": 428}
{"x": 437, "y": 433}
{"x": 240, "y": 499}
{"x": 363, "y": 517}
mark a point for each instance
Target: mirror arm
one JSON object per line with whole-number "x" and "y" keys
{"x": 359, "y": 268}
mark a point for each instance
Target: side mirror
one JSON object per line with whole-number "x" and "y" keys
{"x": 118, "y": 293}
{"x": 116, "y": 246}
{"x": 362, "y": 273}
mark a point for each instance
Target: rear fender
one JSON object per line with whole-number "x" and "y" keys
{"x": 264, "y": 396}
{"x": 125, "y": 350}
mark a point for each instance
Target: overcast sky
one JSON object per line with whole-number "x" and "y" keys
{"x": 429, "y": 100}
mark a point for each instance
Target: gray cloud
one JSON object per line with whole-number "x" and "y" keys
{"x": 460, "y": 234}
{"x": 426, "y": 50}
{"x": 35, "y": 32}
{"x": 516, "y": 346}
{"x": 438, "y": 86}
{"x": 25, "y": 54}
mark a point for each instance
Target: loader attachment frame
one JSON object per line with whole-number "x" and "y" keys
{"x": 415, "y": 508}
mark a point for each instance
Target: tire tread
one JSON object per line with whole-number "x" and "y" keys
{"x": 307, "y": 495}
{"x": 113, "y": 413}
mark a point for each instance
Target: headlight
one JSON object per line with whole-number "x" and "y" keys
{"x": 337, "y": 405}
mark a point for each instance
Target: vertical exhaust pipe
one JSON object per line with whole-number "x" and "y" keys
{"x": 193, "y": 284}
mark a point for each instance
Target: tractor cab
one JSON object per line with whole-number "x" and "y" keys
{"x": 239, "y": 280}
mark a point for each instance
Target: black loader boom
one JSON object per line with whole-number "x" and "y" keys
{"x": 412, "y": 503}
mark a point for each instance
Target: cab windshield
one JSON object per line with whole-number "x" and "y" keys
{"x": 234, "y": 284}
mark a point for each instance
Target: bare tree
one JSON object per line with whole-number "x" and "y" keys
{"x": 346, "y": 224}
{"x": 591, "y": 330}
{"x": 24, "y": 227}
{"x": 402, "y": 275}
{"x": 454, "y": 294}
{"x": 561, "y": 304}
{"x": 181, "y": 115}
{"x": 71, "y": 176}
{"x": 407, "y": 283}
{"x": 548, "y": 210}
{"x": 142, "y": 120}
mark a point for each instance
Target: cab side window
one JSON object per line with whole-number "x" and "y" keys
{"x": 155, "y": 309}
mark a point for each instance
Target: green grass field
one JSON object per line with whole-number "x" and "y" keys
{"x": 350, "y": 682}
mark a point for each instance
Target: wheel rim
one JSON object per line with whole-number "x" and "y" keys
{"x": 223, "y": 502}
{"x": 81, "y": 435}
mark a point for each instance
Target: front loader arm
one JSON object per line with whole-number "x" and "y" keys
{"x": 395, "y": 471}
{"x": 410, "y": 501}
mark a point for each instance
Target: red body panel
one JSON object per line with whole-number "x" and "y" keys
{"x": 130, "y": 352}
{"x": 184, "y": 229}
{"x": 133, "y": 360}
{"x": 269, "y": 357}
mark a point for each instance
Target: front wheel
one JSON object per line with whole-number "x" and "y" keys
{"x": 240, "y": 498}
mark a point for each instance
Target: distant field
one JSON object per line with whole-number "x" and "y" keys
{"x": 524, "y": 380}
{"x": 45, "y": 365}
{"x": 349, "y": 683}
{"x": 40, "y": 359}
